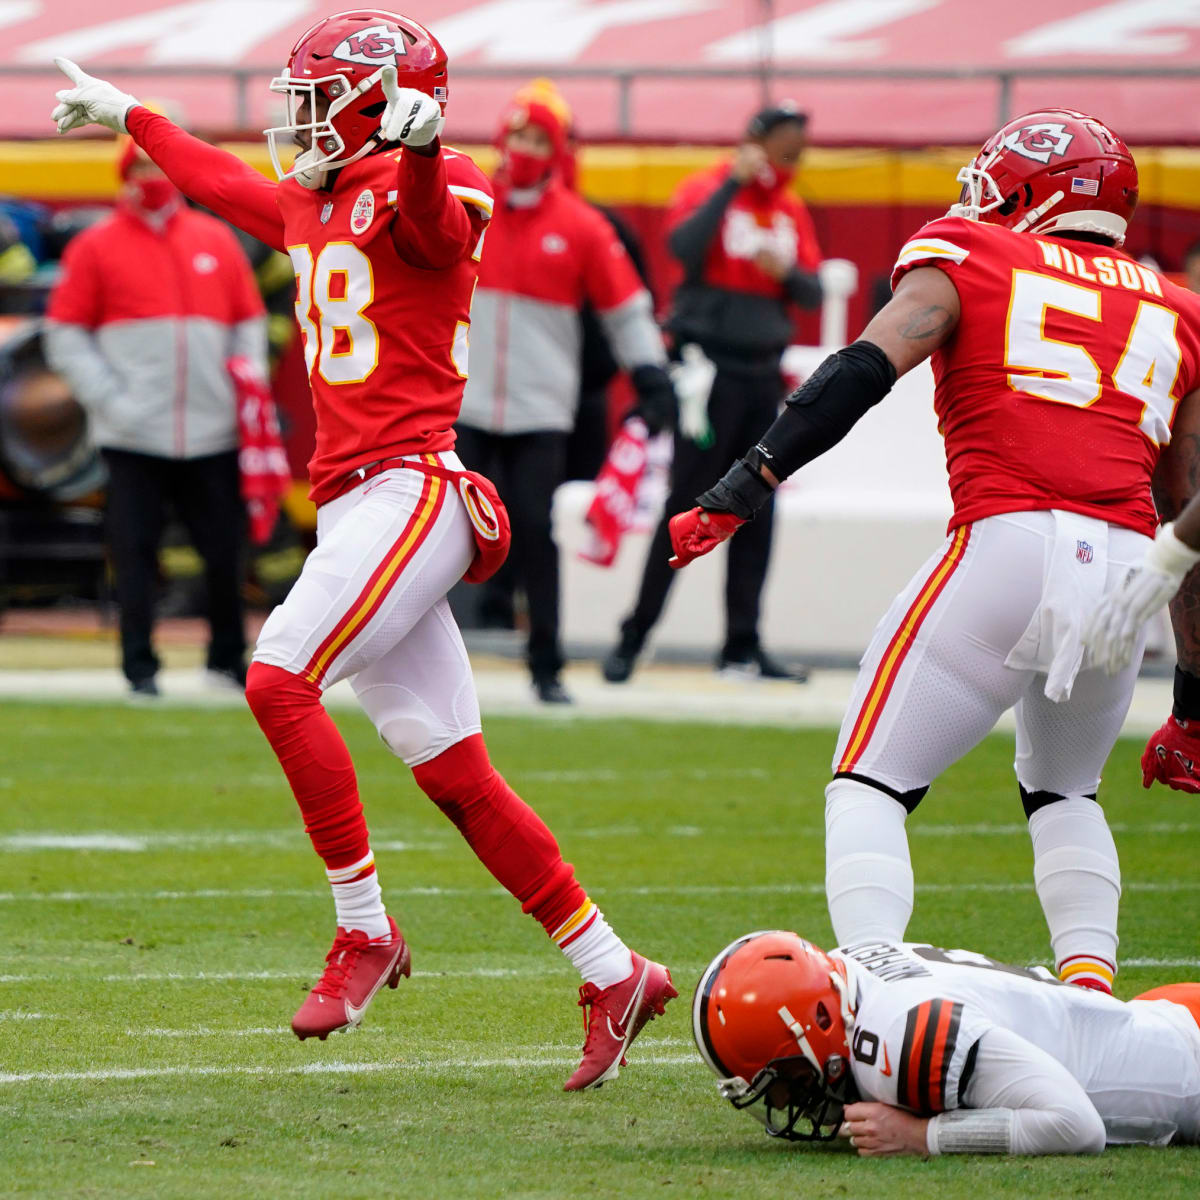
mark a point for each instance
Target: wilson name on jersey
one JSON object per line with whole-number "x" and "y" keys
{"x": 1058, "y": 389}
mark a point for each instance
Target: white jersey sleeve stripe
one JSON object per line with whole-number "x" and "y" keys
{"x": 920, "y": 248}
{"x": 480, "y": 200}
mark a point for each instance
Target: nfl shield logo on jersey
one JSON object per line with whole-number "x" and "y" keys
{"x": 1083, "y": 551}
{"x": 363, "y": 212}
{"x": 327, "y": 212}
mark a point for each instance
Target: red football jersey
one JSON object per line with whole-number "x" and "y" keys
{"x": 385, "y": 339}
{"x": 755, "y": 220}
{"x": 1059, "y": 386}
{"x": 386, "y": 262}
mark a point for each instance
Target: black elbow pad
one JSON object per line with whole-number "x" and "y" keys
{"x": 823, "y": 409}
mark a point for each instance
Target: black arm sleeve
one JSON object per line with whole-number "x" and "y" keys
{"x": 690, "y": 239}
{"x": 818, "y": 414}
{"x": 803, "y": 288}
{"x": 1187, "y": 696}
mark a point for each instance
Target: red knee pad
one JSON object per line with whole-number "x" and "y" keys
{"x": 272, "y": 691}
{"x": 509, "y": 838}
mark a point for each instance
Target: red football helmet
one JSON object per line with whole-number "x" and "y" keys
{"x": 771, "y": 1016}
{"x": 342, "y": 58}
{"x": 1052, "y": 169}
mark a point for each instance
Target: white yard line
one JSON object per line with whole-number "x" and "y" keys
{"x": 552, "y": 969}
{"x": 138, "y": 843}
{"x": 469, "y": 1065}
{"x": 666, "y": 889}
{"x": 204, "y": 1032}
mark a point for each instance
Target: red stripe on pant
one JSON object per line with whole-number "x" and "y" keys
{"x": 508, "y": 837}
{"x": 389, "y": 569}
{"x": 901, "y": 643}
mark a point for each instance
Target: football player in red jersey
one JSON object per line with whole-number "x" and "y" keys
{"x": 1060, "y": 364}
{"x": 385, "y": 228}
{"x": 908, "y": 1048}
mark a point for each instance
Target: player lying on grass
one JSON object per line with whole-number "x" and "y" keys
{"x": 911, "y": 1049}
{"x": 385, "y": 229}
{"x": 1059, "y": 364}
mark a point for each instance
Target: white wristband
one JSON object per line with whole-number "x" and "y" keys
{"x": 1169, "y": 554}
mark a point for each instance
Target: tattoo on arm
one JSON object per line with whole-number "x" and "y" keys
{"x": 1185, "y": 619}
{"x": 928, "y": 322}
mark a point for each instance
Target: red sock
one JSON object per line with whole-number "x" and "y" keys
{"x": 508, "y": 837}
{"x": 314, "y": 759}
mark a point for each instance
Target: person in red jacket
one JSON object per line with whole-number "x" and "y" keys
{"x": 549, "y": 253}
{"x": 384, "y": 226}
{"x": 151, "y": 305}
{"x": 748, "y": 252}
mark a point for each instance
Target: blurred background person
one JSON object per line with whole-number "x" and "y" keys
{"x": 548, "y": 252}
{"x": 151, "y": 305}
{"x": 748, "y": 252}
{"x": 1191, "y": 267}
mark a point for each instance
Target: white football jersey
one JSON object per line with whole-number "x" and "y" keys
{"x": 921, "y": 1011}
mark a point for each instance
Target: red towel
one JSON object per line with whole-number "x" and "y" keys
{"x": 612, "y": 508}
{"x": 261, "y": 457}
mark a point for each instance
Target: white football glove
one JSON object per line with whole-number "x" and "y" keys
{"x": 693, "y": 378}
{"x": 1112, "y": 631}
{"x": 90, "y": 101}
{"x": 411, "y": 117}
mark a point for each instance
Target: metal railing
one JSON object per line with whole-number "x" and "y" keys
{"x": 627, "y": 77}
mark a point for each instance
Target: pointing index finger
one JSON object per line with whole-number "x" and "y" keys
{"x": 72, "y": 71}
{"x": 390, "y": 88}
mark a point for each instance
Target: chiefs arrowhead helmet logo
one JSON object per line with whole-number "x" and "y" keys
{"x": 373, "y": 47}
{"x": 1040, "y": 142}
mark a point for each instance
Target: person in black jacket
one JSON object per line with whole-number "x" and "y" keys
{"x": 748, "y": 252}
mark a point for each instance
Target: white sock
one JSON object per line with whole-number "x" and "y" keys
{"x": 1078, "y": 880}
{"x": 358, "y": 898}
{"x": 868, "y": 873}
{"x": 594, "y": 950}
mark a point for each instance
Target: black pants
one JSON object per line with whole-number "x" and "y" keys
{"x": 526, "y": 469}
{"x": 205, "y": 494}
{"x": 740, "y": 409}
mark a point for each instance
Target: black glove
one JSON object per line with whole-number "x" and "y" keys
{"x": 741, "y": 490}
{"x": 656, "y": 403}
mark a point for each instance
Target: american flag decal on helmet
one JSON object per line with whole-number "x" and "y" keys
{"x": 441, "y": 95}
{"x": 1083, "y": 550}
{"x": 1086, "y": 187}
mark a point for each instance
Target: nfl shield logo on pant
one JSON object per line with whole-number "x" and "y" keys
{"x": 1083, "y": 551}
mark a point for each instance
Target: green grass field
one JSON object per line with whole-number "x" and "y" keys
{"x": 146, "y": 987}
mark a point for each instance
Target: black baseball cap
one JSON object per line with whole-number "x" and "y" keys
{"x": 775, "y": 115}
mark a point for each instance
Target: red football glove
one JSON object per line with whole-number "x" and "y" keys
{"x": 1171, "y": 757}
{"x": 698, "y": 531}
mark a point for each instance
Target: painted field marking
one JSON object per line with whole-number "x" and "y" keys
{"x": 560, "y": 970}
{"x": 470, "y": 1065}
{"x": 666, "y": 889}
{"x": 140, "y": 843}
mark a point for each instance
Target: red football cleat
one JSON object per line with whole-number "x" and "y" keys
{"x": 357, "y": 968}
{"x": 614, "y": 1017}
